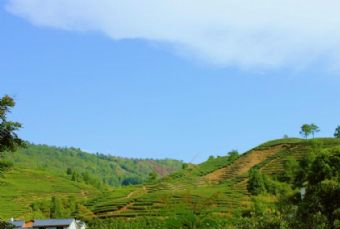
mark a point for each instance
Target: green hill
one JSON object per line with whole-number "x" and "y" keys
{"x": 217, "y": 192}
{"x": 41, "y": 172}
{"x": 217, "y": 186}
{"x": 20, "y": 188}
{"x": 113, "y": 171}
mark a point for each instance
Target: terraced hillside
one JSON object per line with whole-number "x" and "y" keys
{"x": 217, "y": 185}
{"x": 19, "y": 188}
{"x": 41, "y": 172}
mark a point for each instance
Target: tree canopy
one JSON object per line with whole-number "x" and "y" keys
{"x": 337, "y": 132}
{"x": 256, "y": 183}
{"x": 314, "y": 128}
{"x": 9, "y": 140}
{"x": 309, "y": 129}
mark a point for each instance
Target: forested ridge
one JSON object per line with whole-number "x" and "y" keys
{"x": 79, "y": 165}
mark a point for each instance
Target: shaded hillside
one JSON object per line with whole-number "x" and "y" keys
{"x": 114, "y": 171}
{"x": 218, "y": 185}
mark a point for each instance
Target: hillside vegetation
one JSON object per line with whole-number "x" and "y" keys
{"x": 216, "y": 189}
{"x": 259, "y": 189}
{"x": 21, "y": 187}
{"x": 110, "y": 170}
{"x": 40, "y": 173}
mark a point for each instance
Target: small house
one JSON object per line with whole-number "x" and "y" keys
{"x": 49, "y": 224}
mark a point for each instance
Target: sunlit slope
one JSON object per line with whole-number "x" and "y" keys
{"x": 21, "y": 187}
{"x": 218, "y": 184}
{"x": 114, "y": 171}
{"x": 40, "y": 172}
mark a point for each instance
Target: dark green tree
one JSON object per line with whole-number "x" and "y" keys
{"x": 256, "y": 184}
{"x": 152, "y": 176}
{"x": 314, "y": 129}
{"x": 337, "y": 132}
{"x": 321, "y": 207}
{"x": 75, "y": 176}
{"x": 9, "y": 140}
{"x": 56, "y": 210}
{"x": 4, "y": 225}
{"x": 306, "y": 130}
{"x": 69, "y": 171}
{"x": 234, "y": 154}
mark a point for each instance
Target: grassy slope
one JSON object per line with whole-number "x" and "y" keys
{"x": 218, "y": 184}
{"x": 39, "y": 173}
{"x": 20, "y": 187}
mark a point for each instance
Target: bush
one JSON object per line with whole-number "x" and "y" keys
{"x": 131, "y": 181}
{"x": 5, "y": 166}
{"x": 256, "y": 184}
{"x": 5, "y": 225}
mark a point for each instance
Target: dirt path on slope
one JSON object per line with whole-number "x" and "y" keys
{"x": 137, "y": 192}
{"x": 242, "y": 165}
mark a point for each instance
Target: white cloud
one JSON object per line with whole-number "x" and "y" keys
{"x": 243, "y": 33}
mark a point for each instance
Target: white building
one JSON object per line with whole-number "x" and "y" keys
{"x": 49, "y": 224}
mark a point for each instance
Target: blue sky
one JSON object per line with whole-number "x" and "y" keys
{"x": 136, "y": 97}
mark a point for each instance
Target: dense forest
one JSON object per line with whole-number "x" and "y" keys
{"x": 90, "y": 168}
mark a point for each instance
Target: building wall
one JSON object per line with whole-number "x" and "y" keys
{"x": 73, "y": 225}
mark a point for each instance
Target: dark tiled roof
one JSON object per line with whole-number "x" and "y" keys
{"x": 52, "y": 222}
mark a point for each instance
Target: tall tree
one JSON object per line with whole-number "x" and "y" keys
{"x": 314, "y": 129}
{"x": 9, "y": 140}
{"x": 337, "y": 132}
{"x": 319, "y": 207}
{"x": 56, "y": 210}
{"x": 306, "y": 130}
